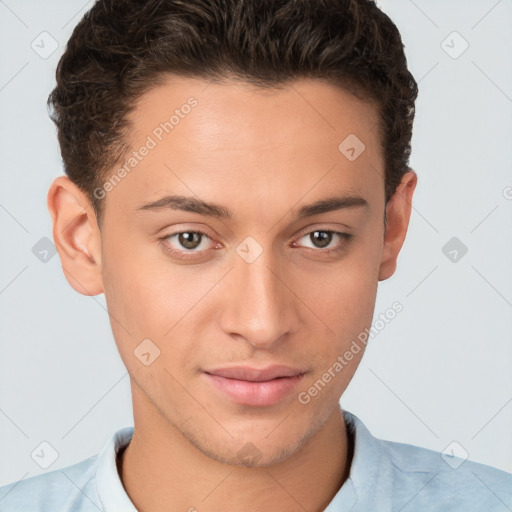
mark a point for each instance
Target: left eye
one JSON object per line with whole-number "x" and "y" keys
{"x": 323, "y": 237}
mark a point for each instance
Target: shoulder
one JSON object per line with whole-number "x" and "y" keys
{"x": 388, "y": 475}
{"x": 447, "y": 480}
{"x": 72, "y": 489}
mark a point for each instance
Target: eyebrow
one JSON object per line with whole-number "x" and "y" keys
{"x": 195, "y": 205}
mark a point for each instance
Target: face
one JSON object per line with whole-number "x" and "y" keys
{"x": 226, "y": 315}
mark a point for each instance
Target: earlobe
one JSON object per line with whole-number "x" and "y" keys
{"x": 76, "y": 236}
{"x": 398, "y": 212}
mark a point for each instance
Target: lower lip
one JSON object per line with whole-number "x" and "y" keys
{"x": 263, "y": 393}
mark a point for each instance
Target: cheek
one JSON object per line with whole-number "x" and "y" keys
{"x": 344, "y": 294}
{"x": 132, "y": 293}
{"x": 137, "y": 283}
{"x": 150, "y": 298}
{"x": 343, "y": 297}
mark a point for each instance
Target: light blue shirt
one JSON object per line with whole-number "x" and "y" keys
{"x": 385, "y": 476}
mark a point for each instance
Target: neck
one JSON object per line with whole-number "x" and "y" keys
{"x": 161, "y": 471}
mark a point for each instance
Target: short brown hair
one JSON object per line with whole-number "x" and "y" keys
{"x": 122, "y": 48}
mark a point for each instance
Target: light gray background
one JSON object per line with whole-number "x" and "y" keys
{"x": 439, "y": 372}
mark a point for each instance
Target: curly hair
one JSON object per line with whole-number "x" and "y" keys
{"x": 121, "y": 49}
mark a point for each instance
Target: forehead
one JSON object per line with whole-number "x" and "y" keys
{"x": 233, "y": 138}
{"x": 235, "y": 115}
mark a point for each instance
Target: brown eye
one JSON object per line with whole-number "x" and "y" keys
{"x": 186, "y": 244}
{"x": 189, "y": 239}
{"x": 321, "y": 238}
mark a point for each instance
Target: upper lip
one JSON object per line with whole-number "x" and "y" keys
{"x": 256, "y": 374}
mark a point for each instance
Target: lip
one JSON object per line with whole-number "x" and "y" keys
{"x": 255, "y": 386}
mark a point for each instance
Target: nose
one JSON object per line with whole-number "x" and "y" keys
{"x": 258, "y": 306}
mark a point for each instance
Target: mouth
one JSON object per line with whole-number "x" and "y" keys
{"x": 255, "y": 386}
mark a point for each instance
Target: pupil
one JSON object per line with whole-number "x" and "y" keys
{"x": 325, "y": 237}
{"x": 184, "y": 239}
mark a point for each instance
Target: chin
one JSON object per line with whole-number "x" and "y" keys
{"x": 250, "y": 456}
{"x": 252, "y": 449}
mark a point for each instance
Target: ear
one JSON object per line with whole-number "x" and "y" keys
{"x": 398, "y": 213}
{"x": 76, "y": 235}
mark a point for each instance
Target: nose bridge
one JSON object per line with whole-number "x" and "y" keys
{"x": 259, "y": 305}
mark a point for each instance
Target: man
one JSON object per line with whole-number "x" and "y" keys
{"x": 237, "y": 184}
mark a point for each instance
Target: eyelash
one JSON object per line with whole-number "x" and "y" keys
{"x": 346, "y": 238}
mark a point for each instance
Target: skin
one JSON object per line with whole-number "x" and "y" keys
{"x": 263, "y": 154}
